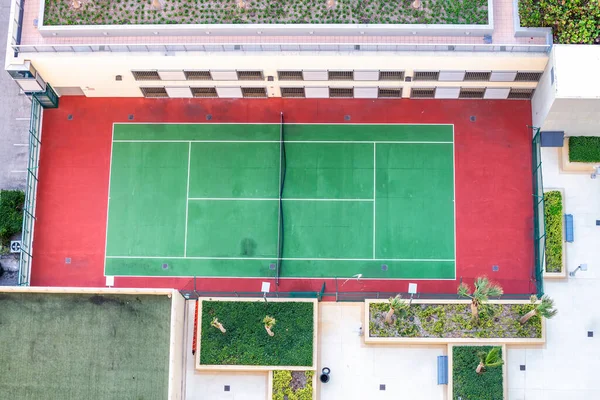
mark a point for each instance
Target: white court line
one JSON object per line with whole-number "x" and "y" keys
{"x": 187, "y": 195}
{"x": 374, "y": 191}
{"x": 19, "y": 171}
{"x": 108, "y": 200}
{"x": 285, "y": 259}
{"x": 277, "y": 141}
{"x": 23, "y": 118}
{"x": 281, "y": 277}
{"x": 454, "y": 192}
{"x": 278, "y": 123}
{"x": 21, "y": 144}
{"x": 267, "y": 199}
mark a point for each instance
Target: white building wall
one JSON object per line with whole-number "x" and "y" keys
{"x": 95, "y": 72}
{"x": 572, "y": 103}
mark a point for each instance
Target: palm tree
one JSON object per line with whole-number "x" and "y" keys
{"x": 483, "y": 290}
{"x": 490, "y": 359}
{"x": 396, "y": 305}
{"x": 215, "y": 322}
{"x": 545, "y": 308}
{"x": 269, "y": 323}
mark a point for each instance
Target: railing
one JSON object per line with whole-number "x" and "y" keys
{"x": 335, "y": 295}
{"x": 539, "y": 228}
{"x": 35, "y": 133}
{"x": 291, "y": 47}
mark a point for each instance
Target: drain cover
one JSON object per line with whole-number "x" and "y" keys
{"x": 68, "y": 260}
{"x": 347, "y": 117}
{"x": 384, "y": 267}
{"x": 165, "y": 266}
{"x": 495, "y": 268}
{"x": 130, "y": 117}
{"x": 472, "y": 118}
{"x": 70, "y": 117}
{"x": 272, "y": 267}
{"x": 208, "y": 117}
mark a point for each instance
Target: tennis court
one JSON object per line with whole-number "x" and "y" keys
{"x": 234, "y": 200}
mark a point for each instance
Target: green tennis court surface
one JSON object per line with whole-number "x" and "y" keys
{"x": 203, "y": 200}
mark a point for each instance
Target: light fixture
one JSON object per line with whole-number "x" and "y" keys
{"x": 582, "y": 267}
{"x": 412, "y": 290}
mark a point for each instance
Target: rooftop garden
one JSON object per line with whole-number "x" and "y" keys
{"x": 399, "y": 318}
{"x": 257, "y": 333}
{"x": 572, "y": 21}
{"x": 553, "y": 217}
{"x": 132, "y": 12}
{"x": 477, "y": 373}
{"x": 84, "y": 346}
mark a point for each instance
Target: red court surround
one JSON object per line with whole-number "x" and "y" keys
{"x": 494, "y": 216}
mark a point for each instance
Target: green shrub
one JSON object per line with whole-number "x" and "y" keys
{"x": 11, "y": 213}
{"x": 282, "y": 386}
{"x": 246, "y": 341}
{"x": 467, "y": 384}
{"x": 584, "y": 148}
{"x": 553, "y": 217}
{"x": 572, "y": 21}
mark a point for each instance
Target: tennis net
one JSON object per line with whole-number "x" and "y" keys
{"x": 282, "y": 167}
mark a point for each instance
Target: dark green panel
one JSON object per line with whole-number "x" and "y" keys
{"x": 234, "y": 170}
{"x": 147, "y": 199}
{"x": 321, "y": 229}
{"x": 369, "y": 132}
{"x": 196, "y": 132}
{"x": 415, "y": 201}
{"x": 289, "y": 268}
{"x": 329, "y": 170}
{"x": 232, "y": 228}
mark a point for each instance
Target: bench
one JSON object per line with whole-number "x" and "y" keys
{"x": 442, "y": 370}
{"x": 569, "y": 235}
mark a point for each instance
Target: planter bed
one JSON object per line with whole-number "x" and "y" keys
{"x": 293, "y": 385}
{"x": 553, "y": 218}
{"x": 451, "y": 322}
{"x": 572, "y": 22}
{"x": 584, "y": 149}
{"x": 246, "y": 344}
{"x": 134, "y": 12}
{"x": 467, "y": 384}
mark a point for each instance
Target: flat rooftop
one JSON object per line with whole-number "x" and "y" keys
{"x": 503, "y": 32}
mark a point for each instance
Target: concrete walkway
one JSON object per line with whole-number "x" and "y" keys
{"x": 567, "y": 367}
{"x": 14, "y": 119}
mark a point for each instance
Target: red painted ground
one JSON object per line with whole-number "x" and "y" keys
{"x": 493, "y": 184}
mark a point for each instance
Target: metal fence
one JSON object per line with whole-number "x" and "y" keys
{"x": 539, "y": 229}
{"x": 333, "y": 295}
{"x": 35, "y": 136}
{"x": 283, "y": 47}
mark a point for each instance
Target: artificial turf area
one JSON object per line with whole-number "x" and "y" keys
{"x": 246, "y": 341}
{"x": 83, "y": 346}
{"x": 203, "y": 200}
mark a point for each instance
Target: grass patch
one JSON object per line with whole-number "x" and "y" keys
{"x": 127, "y": 12}
{"x": 11, "y": 214}
{"x": 246, "y": 341}
{"x": 293, "y": 385}
{"x": 455, "y": 321}
{"x": 82, "y": 346}
{"x": 553, "y": 218}
{"x": 584, "y": 148}
{"x": 467, "y": 384}
{"x": 572, "y": 21}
